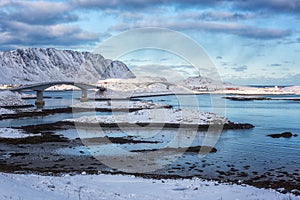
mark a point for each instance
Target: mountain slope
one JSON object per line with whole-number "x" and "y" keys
{"x": 41, "y": 65}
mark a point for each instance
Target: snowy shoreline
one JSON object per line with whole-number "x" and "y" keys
{"x": 30, "y": 186}
{"x": 117, "y": 105}
{"x": 10, "y": 99}
{"x": 162, "y": 117}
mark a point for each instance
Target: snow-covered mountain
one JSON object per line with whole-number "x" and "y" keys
{"x": 31, "y": 65}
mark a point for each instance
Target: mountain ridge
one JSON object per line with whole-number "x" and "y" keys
{"x": 22, "y": 66}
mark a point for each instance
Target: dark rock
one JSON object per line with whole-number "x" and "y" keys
{"x": 295, "y": 192}
{"x": 114, "y": 140}
{"x": 281, "y": 190}
{"x": 279, "y": 135}
{"x": 44, "y": 112}
{"x": 45, "y": 137}
{"x": 246, "y": 98}
{"x": 232, "y": 125}
{"x": 195, "y": 149}
{"x": 286, "y": 134}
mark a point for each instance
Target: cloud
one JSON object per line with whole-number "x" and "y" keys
{"x": 219, "y": 57}
{"x": 228, "y": 22}
{"x": 136, "y": 60}
{"x": 273, "y": 6}
{"x": 278, "y": 6}
{"x": 228, "y": 28}
{"x": 216, "y": 16}
{"x": 240, "y": 69}
{"x": 138, "y": 4}
{"x": 25, "y": 34}
{"x": 39, "y": 23}
{"x": 56, "y": 22}
{"x": 38, "y": 12}
{"x": 266, "y": 80}
{"x": 276, "y": 65}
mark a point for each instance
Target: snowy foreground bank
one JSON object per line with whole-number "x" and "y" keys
{"x": 16, "y": 186}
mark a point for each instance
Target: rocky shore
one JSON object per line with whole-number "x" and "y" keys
{"x": 42, "y": 154}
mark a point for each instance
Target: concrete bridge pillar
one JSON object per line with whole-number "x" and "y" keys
{"x": 39, "y": 102}
{"x": 84, "y": 96}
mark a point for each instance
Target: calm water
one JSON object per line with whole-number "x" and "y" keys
{"x": 252, "y": 147}
{"x": 237, "y": 147}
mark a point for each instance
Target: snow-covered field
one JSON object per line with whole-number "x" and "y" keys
{"x": 171, "y": 116}
{"x": 118, "y": 105}
{"x": 36, "y": 187}
{"x": 254, "y": 91}
{"x": 11, "y": 99}
{"x": 14, "y": 133}
{"x": 294, "y": 89}
{"x": 6, "y": 111}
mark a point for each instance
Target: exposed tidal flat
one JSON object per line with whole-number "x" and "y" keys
{"x": 241, "y": 155}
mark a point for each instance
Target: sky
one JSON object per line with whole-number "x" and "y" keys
{"x": 249, "y": 41}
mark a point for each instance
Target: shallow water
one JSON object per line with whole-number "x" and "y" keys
{"x": 252, "y": 147}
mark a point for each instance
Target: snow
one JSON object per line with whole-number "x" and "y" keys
{"x": 27, "y": 96}
{"x": 10, "y": 99}
{"x": 141, "y": 86}
{"x": 118, "y": 105}
{"x": 172, "y": 116}
{"x": 294, "y": 89}
{"x": 6, "y": 111}
{"x": 14, "y": 133}
{"x": 62, "y": 88}
{"x": 200, "y": 83}
{"x": 31, "y": 187}
{"x": 254, "y": 91}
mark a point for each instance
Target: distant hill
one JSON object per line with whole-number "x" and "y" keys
{"x": 204, "y": 83}
{"x": 23, "y": 66}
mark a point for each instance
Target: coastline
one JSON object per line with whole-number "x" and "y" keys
{"x": 23, "y": 160}
{"x": 63, "y": 165}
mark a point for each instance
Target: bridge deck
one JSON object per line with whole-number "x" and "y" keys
{"x": 40, "y": 87}
{"x": 44, "y": 85}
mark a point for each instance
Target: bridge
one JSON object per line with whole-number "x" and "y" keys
{"x": 40, "y": 87}
{"x": 167, "y": 84}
